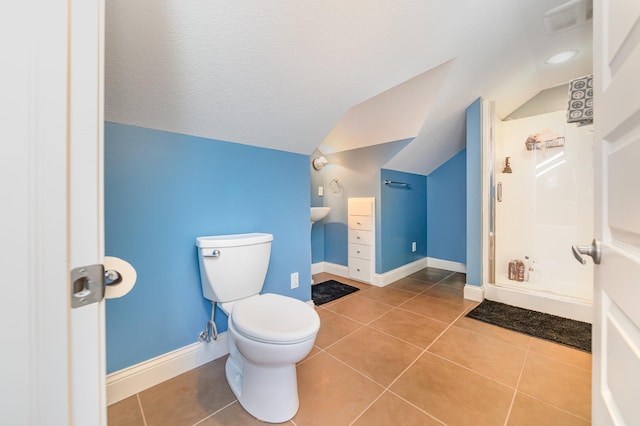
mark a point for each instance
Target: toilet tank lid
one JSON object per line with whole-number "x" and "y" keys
{"x": 234, "y": 240}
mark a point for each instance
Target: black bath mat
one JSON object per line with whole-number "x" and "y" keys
{"x": 330, "y": 290}
{"x": 569, "y": 332}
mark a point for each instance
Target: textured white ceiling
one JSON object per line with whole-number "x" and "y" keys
{"x": 295, "y": 75}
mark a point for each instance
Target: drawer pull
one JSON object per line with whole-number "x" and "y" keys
{"x": 358, "y": 269}
{"x": 358, "y": 237}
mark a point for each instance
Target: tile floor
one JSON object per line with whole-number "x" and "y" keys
{"x": 398, "y": 355}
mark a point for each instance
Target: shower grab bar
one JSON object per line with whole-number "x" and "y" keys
{"x": 390, "y": 182}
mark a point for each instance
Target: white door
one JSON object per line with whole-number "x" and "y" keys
{"x": 53, "y": 357}
{"x": 616, "y": 345}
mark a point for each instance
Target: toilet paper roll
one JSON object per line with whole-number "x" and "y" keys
{"x": 127, "y": 280}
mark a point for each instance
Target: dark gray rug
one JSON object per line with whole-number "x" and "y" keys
{"x": 569, "y": 332}
{"x": 330, "y": 290}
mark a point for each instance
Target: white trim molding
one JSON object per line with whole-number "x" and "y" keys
{"x": 381, "y": 280}
{"x": 473, "y": 292}
{"x": 131, "y": 380}
{"x": 317, "y": 268}
{"x": 447, "y": 264}
{"x": 335, "y": 269}
{"x": 387, "y": 278}
{"x": 541, "y": 302}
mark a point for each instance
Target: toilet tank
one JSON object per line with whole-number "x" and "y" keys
{"x": 233, "y": 267}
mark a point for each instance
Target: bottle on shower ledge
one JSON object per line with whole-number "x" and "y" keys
{"x": 520, "y": 268}
{"x": 527, "y": 264}
{"x": 513, "y": 270}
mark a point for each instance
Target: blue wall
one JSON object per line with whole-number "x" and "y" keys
{"x": 403, "y": 219}
{"x": 474, "y": 193}
{"x": 162, "y": 190}
{"x": 447, "y": 210}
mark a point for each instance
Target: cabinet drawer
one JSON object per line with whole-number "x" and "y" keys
{"x": 360, "y": 237}
{"x": 362, "y": 207}
{"x": 361, "y": 251}
{"x": 359, "y": 222}
{"x": 360, "y": 269}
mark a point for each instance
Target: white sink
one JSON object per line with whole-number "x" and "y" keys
{"x": 319, "y": 213}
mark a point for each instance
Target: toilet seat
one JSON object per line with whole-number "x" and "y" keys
{"x": 272, "y": 318}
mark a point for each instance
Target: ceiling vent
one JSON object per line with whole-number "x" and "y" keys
{"x": 567, "y": 16}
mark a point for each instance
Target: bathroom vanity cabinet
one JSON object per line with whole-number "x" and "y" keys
{"x": 362, "y": 240}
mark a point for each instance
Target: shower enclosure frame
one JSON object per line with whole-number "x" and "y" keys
{"x": 539, "y": 301}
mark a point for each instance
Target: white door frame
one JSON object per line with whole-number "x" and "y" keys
{"x": 47, "y": 45}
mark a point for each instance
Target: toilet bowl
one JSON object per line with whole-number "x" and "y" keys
{"x": 267, "y": 333}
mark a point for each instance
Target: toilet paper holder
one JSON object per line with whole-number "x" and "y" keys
{"x": 112, "y": 277}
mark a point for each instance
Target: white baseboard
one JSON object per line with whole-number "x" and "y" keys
{"x": 547, "y": 303}
{"x": 316, "y": 268}
{"x": 448, "y": 265}
{"x": 387, "y": 278}
{"x": 473, "y": 292}
{"x": 335, "y": 269}
{"x": 131, "y": 380}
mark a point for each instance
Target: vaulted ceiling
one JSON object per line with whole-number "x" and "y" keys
{"x": 296, "y": 75}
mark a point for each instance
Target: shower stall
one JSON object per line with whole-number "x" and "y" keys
{"x": 541, "y": 203}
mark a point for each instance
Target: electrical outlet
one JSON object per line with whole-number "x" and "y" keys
{"x": 413, "y": 247}
{"x": 294, "y": 280}
{"x": 320, "y": 191}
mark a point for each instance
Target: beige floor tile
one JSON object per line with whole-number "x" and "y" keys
{"x": 333, "y": 327}
{"x": 403, "y": 319}
{"x": 452, "y": 394}
{"x": 508, "y": 336}
{"x": 391, "y": 410}
{"x": 488, "y": 356}
{"x": 189, "y": 397}
{"x": 410, "y": 284}
{"x": 528, "y": 411}
{"x": 456, "y": 280}
{"x": 234, "y": 415}
{"x": 410, "y": 327}
{"x": 558, "y": 383}
{"x": 376, "y": 355}
{"x": 361, "y": 309}
{"x": 332, "y": 393}
{"x": 450, "y": 294}
{"x": 561, "y": 353}
{"x": 314, "y": 351}
{"x": 432, "y": 275}
{"x": 125, "y": 413}
{"x": 431, "y": 307}
{"x": 387, "y": 295}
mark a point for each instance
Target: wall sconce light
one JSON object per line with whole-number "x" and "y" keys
{"x": 319, "y": 162}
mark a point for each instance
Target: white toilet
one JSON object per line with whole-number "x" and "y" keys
{"x": 268, "y": 333}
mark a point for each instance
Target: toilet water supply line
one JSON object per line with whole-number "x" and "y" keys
{"x": 211, "y": 331}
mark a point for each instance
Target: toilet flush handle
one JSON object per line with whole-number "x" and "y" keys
{"x": 212, "y": 253}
